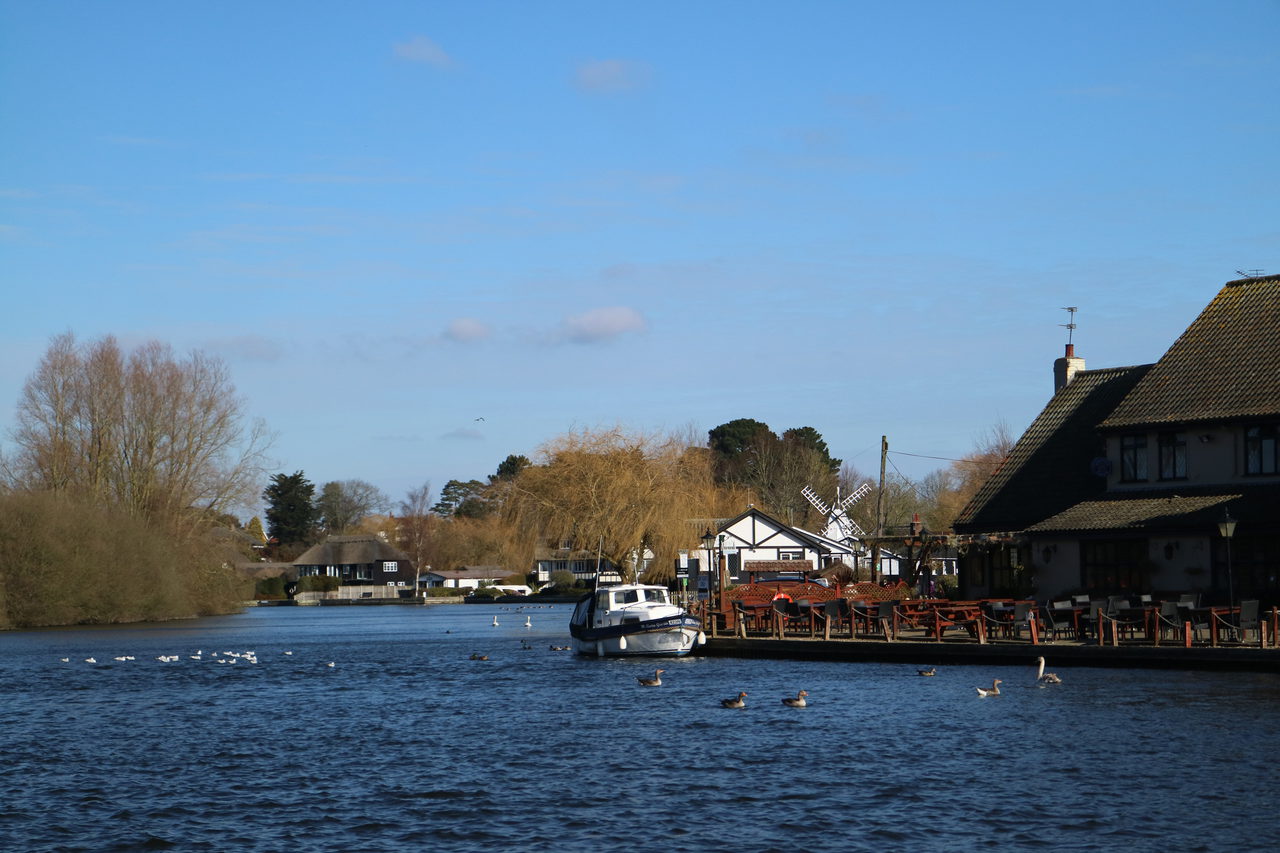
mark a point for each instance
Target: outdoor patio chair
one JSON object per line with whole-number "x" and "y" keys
{"x": 1189, "y": 599}
{"x": 1057, "y": 621}
{"x": 1199, "y": 619}
{"x": 780, "y": 615}
{"x": 884, "y": 618}
{"x": 1089, "y": 618}
{"x": 833, "y": 613}
{"x": 1168, "y": 619}
{"x": 746, "y": 618}
{"x": 1240, "y": 623}
{"x": 1021, "y": 615}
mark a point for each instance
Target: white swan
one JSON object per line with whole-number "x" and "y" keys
{"x": 796, "y": 701}
{"x": 1043, "y": 677}
{"x": 993, "y": 690}
{"x": 495, "y": 620}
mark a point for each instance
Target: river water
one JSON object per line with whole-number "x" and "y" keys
{"x": 407, "y": 744}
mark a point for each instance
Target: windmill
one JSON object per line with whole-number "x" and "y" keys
{"x": 840, "y": 527}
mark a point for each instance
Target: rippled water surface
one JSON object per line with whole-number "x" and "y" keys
{"x": 405, "y": 743}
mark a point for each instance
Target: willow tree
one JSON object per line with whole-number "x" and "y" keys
{"x": 619, "y": 493}
{"x": 161, "y": 437}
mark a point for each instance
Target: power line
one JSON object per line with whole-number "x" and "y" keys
{"x": 940, "y": 458}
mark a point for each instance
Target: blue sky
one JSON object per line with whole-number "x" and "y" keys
{"x": 394, "y": 218}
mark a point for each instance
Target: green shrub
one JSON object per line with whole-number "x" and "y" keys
{"x": 317, "y": 583}
{"x": 269, "y": 588}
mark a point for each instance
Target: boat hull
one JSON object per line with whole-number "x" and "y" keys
{"x": 673, "y": 636}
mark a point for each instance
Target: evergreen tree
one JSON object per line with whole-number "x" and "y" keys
{"x": 461, "y": 499}
{"x": 255, "y": 530}
{"x": 510, "y": 467}
{"x": 291, "y": 511}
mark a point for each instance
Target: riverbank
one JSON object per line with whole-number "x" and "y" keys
{"x": 1060, "y": 654}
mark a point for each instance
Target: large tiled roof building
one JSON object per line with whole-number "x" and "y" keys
{"x": 1120, "y": 483}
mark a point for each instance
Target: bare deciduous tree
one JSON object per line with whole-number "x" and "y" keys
{"x": 415, "y": 523}
{"x": 344, "y": 504}
{"x": 161, "y": 437}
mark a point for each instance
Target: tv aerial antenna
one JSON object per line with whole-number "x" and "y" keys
{"x": 1250, "y": 273}
{"x": 1070, "y": 325}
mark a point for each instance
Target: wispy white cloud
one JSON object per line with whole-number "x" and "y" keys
{"x": 612, "y": 75}
{"x": 424, "y": 50}
{"x": 256, "y": 348}
{"x": 600, "y": 325}
{"x": 463, "y": 434}
{"x": 466, "y": 329}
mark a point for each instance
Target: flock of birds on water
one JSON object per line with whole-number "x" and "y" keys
{"x": 798, "y": 701}
{"x": 740, "y": 701}
{"x": 226, "y": 657}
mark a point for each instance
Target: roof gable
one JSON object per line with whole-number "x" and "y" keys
{"x": 756, "y": 529}
{"x": 350, "y": 551}
{"x": 1049, "y": 468}
{"x": 1225, "y": 366}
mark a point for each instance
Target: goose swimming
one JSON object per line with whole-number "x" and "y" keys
{"x": 933, "y": 670}
{"x": 796, "y": 701}
{"x": 656, "y": 681}
{"x": 739, "y": 702}
{"x": 993, "y": 690}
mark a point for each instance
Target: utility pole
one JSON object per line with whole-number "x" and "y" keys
{"x": 875, "y": 549}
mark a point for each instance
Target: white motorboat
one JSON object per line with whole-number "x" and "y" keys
{"x": 633, "y": 619}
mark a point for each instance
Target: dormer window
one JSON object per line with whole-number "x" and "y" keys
{"x": 1133, "y": 458}
{"x": 1173, "y": 455}
{"x": 1260, "y": 455}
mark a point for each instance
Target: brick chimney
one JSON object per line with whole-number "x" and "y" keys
{"x": 1065, "y": 368}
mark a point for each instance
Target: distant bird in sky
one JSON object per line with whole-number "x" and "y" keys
{"x": 479, "y": 419}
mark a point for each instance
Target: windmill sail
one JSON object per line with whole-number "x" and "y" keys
{"x": 839, "y": 526}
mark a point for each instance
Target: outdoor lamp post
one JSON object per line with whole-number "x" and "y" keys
{"x": 721, "y": 573}
{"x": 1227, "y": 527}
{"x": 708, "y": 543}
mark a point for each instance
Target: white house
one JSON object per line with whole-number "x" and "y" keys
{"x": 754, "y": 544}
{"x": 464, "y": 577}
